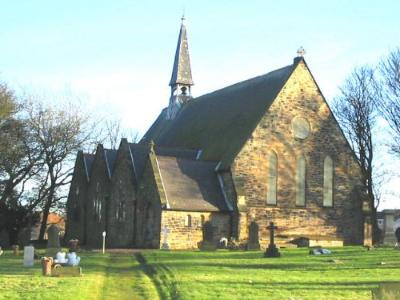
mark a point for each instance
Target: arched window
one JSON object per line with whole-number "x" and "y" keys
{"x": 121, "y": 211}
{"x": 328, "y": 182}
{"x": 272, "y": 177}
{"x": 188, "y": 221}
{"x": 301, "y": 181}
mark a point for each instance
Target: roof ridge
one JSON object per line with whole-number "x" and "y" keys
{"x": 240, "y": 83}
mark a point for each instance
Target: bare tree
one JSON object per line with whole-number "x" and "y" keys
{"x": 112, "y": 133}
{"x": 20, "y": 160}
{"x": 7, "y": 102}
{"x": 388, "y": 89}
{"x": 60, "y": 133}
{"x": 356, "y": 112}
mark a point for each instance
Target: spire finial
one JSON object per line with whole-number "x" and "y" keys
{"x": 183, "y": 19}
{"x": 301, "y": 52}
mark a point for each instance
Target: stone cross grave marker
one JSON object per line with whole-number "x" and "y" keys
{"x": 208, "y": 237}
{"x": 253, "y": 242}
{"x": 29, "y": 254}
{"x": 165, "y": 231}
{"x": 272, "y": 250}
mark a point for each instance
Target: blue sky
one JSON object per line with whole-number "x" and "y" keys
{"x": 116, "y": 56}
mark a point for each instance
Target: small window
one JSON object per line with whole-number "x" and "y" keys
{"x": 188, "y": 221}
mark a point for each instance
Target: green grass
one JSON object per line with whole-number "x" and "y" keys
{"x": 296, "y": 275}
{"x": 110, "y": 276}
{"x": 208, "y": 275}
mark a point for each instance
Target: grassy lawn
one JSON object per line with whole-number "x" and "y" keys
{"x": 110, "y": 276}
{"x": 208, "y": 275}
{"x": 296, "y": 275}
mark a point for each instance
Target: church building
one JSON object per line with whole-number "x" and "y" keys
{"x": 267, "y": 149}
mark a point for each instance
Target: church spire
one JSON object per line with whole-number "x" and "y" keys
{"x": 181, "y": 79}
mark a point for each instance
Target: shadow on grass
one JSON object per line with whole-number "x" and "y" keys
{"x": 162, "y": 278}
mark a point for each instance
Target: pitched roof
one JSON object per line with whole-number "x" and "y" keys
{"x": 110, "y": 156}
{"x": 88, "y": 162}
{"x": 181, "y": 72}
{"x": 191, "y": 185}
{"x": 219, "y": 123}
{"x": 139, "y": 153}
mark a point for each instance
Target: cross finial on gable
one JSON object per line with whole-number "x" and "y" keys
{"x": 301, "y": 52}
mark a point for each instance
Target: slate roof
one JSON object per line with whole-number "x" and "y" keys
{"x": 219, "y": 123}
{"x": 88, "y": 162}
{"x": 181, "y": 72}
{"x": 191, "y": 185}
{"x": 139, "y": 154}
{"x": 110, "y": 156}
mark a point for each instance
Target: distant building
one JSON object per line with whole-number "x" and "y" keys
{"x": 261, "y": 150}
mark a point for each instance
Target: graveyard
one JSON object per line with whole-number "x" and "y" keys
{"x": 346, "y": 273}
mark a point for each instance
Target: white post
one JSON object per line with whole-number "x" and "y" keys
{"x": 104, "y": 242}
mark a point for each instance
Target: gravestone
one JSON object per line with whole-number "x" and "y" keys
{"x": 15, "y": 249}
{"x": 1, "y": 251}
{"x": 208, "y": 237}
{"x": 53, "y": 240}
{"x": 253, "y": 242}
{"x": 272, "y": 250}
{"x": 29, "y": 254}
{"x": 165, "y": 231}
{"x": 73, "y": 245}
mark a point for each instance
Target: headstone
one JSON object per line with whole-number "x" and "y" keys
{"x": 208, "y": 237}
{"x": 73, "y": 245}
{"x": 29, "y": 254}
{"x": 272, "y": 250}
{"x": 53, "y": 240}
{"x": 390, "y": 291}
{"x": 46, "y": 265}
{"x": 53, "y": 237}
{"x": 15, "y": 249}
{"x": 165, "y": 231}
{"x": 1, "y": 251}
{"x": 70, "y": 271}
{"x": 253, "y": 242}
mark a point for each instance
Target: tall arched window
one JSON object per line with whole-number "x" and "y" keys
{"x": 301, "y": 181}
{"x": 272, "y": 177}
{"x": 328, "y": 182}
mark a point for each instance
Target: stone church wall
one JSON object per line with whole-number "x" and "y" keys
{"x": 299, "y": 98}
{"x": 185, "y": 234}
{"x": 121, "y": 209}
{"x": 75, "y": 223}
{"x": 148, "y": 211}
{"x": 98, "y": 199}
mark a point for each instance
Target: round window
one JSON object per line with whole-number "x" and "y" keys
{"x": 300, "y": 128}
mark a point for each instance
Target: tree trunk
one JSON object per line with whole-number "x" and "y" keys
{"x": 45, "y": 215}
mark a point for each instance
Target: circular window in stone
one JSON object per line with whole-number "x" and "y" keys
{"x": 300, "y": 128}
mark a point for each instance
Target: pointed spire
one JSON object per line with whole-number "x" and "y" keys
{"x": 181, "y": 79}
{"x": 181, "y": 72}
